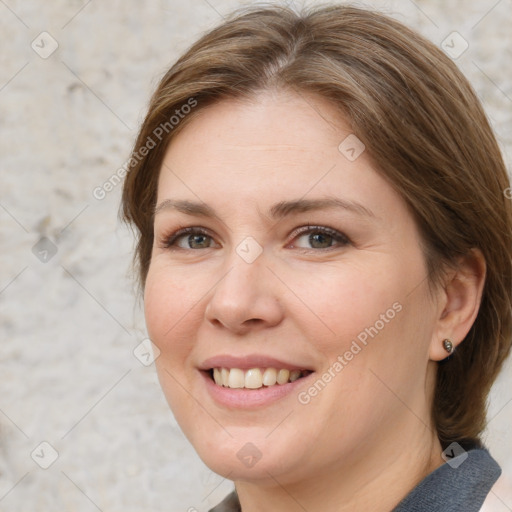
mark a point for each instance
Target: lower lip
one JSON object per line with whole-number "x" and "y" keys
{"x": 243, "y": 398}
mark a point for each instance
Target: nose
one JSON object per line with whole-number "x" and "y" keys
{"x": 246, "y": 298}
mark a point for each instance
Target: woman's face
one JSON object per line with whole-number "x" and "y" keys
{"x": 297, "y": 259}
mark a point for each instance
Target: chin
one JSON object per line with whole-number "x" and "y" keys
{"x": 248, "y": 457}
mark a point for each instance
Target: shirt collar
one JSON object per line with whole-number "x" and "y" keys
{"x": 459, "y": 485}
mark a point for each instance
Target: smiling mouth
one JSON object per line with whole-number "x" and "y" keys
{"x": 254, "y": 378}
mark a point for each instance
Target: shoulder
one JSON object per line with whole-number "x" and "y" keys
{"x": 229, "y": 504}
{"x": 460, "y": 485}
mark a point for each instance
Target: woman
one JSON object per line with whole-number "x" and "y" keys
{"x": 324, "y": 246}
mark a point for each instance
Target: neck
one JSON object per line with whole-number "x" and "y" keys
{"x": 373, "y": 477}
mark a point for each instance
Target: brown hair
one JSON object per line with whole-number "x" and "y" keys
{"x": 422, "y": 125}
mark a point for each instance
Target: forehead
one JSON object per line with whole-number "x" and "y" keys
{"x": 276, "y": 146}
{"x": 271, "y": 120}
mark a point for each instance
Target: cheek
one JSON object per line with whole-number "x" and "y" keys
{"x": 170, "y": 308}
{"x": 171, "y": 313}
{"x": 371, "y": 315}
{"x": 383, "y": 324}
{"x": 348, "y": 299}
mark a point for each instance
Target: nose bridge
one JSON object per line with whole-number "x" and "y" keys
{"x": 245, "y": 275}
{"x": 246, "y": 266}
{"x": 245, "y": 294}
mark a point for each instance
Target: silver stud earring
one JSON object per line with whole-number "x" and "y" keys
{"x": 448, "y": 346}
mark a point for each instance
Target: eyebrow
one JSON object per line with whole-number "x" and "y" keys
{"x": 277, "y": 211}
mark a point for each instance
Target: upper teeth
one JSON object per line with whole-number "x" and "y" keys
{"x": 254, "y": 378}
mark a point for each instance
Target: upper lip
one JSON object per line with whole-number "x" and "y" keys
{"x": 249, "y": 361}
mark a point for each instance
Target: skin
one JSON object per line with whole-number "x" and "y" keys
{"x": 367, "y": 438}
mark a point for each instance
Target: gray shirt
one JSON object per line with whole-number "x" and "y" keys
{"x": 449, "y": 488}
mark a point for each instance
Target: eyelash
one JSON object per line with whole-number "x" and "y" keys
{"x": 169, "y": 241}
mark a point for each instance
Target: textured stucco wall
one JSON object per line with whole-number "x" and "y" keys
{"x": 69, "y": 325}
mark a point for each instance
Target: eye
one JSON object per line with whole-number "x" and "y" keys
{"x": 307, "y": 237}
{"x": 188, "y": 238}
{"x": 319, "y": 237}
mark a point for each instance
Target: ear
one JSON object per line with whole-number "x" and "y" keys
{"x": 459, "y": 301}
